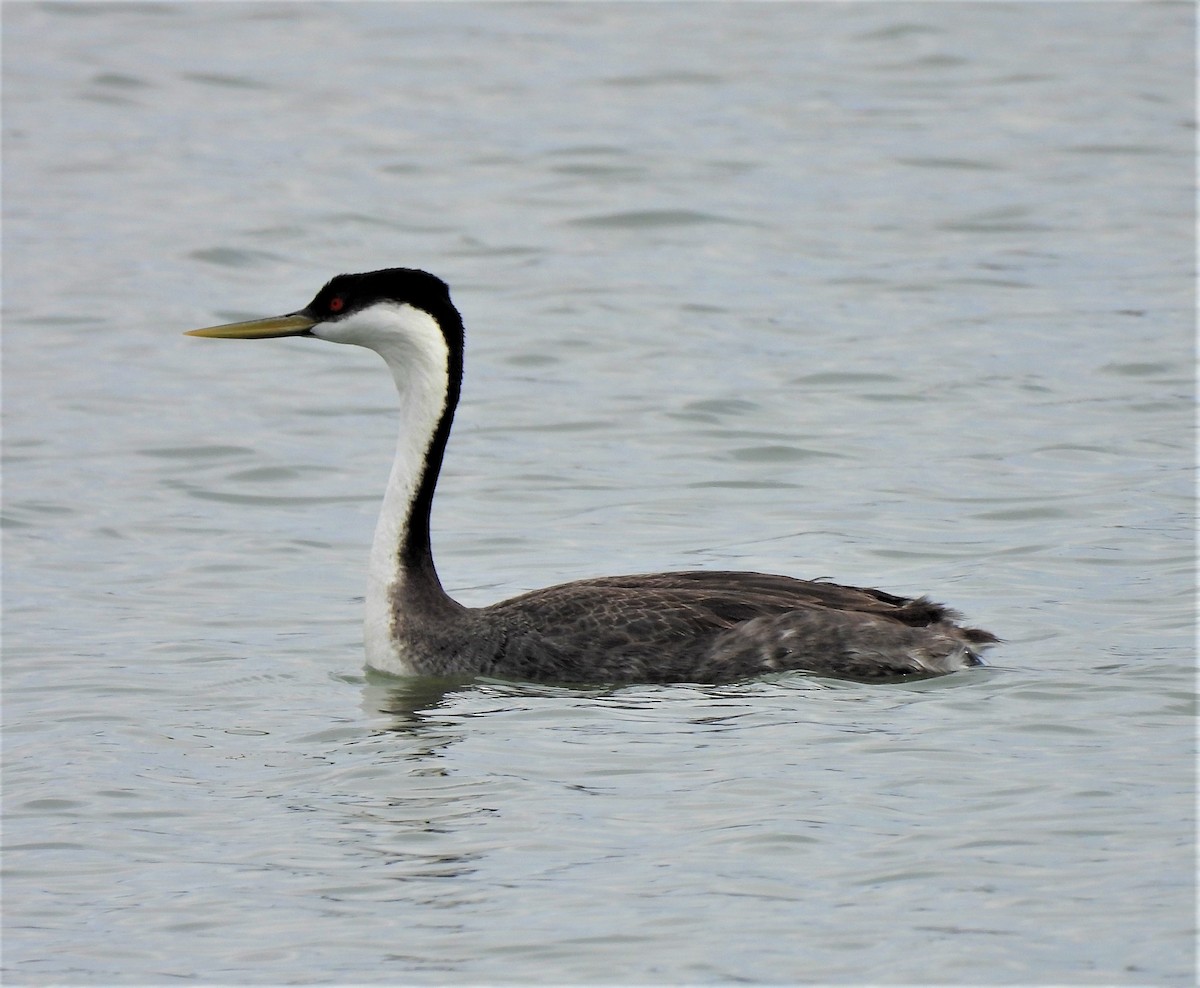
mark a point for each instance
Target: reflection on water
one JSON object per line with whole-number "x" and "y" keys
{"x": 408, "y": 703}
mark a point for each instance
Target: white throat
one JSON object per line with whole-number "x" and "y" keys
{"x": 412, "y": 345}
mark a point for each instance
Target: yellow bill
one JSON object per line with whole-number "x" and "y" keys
{"x": 258, "y": 329}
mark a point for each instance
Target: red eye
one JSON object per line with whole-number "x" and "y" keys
{"x": 337, "y": 303}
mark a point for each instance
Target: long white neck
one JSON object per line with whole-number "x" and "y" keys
{"x": 386, "y": 574}
{"x": 402, "y": 585}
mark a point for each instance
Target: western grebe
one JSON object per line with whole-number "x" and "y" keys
{"x": 658, "y": 627}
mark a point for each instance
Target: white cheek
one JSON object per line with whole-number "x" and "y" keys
{"x": 397, "y": 331}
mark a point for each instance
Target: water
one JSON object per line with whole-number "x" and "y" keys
{"x": 895, "y": 294}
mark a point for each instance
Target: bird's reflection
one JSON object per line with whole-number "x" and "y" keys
{"x": 412, "y": 702}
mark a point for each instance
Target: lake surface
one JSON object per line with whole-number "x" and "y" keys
{"x": 896, "y": 294}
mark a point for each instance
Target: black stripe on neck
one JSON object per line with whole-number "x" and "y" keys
{"x": 416, "y": 551}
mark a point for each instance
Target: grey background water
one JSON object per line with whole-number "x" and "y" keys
{"x": 896, "y": 294}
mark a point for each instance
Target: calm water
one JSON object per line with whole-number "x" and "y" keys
{"x": 895, "y": 294}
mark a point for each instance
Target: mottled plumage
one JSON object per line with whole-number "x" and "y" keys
{"x": 661, "y": 627}
{"x": 698, "y": 627}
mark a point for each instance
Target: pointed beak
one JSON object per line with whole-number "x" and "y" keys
{"x": 296, "y": 324}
